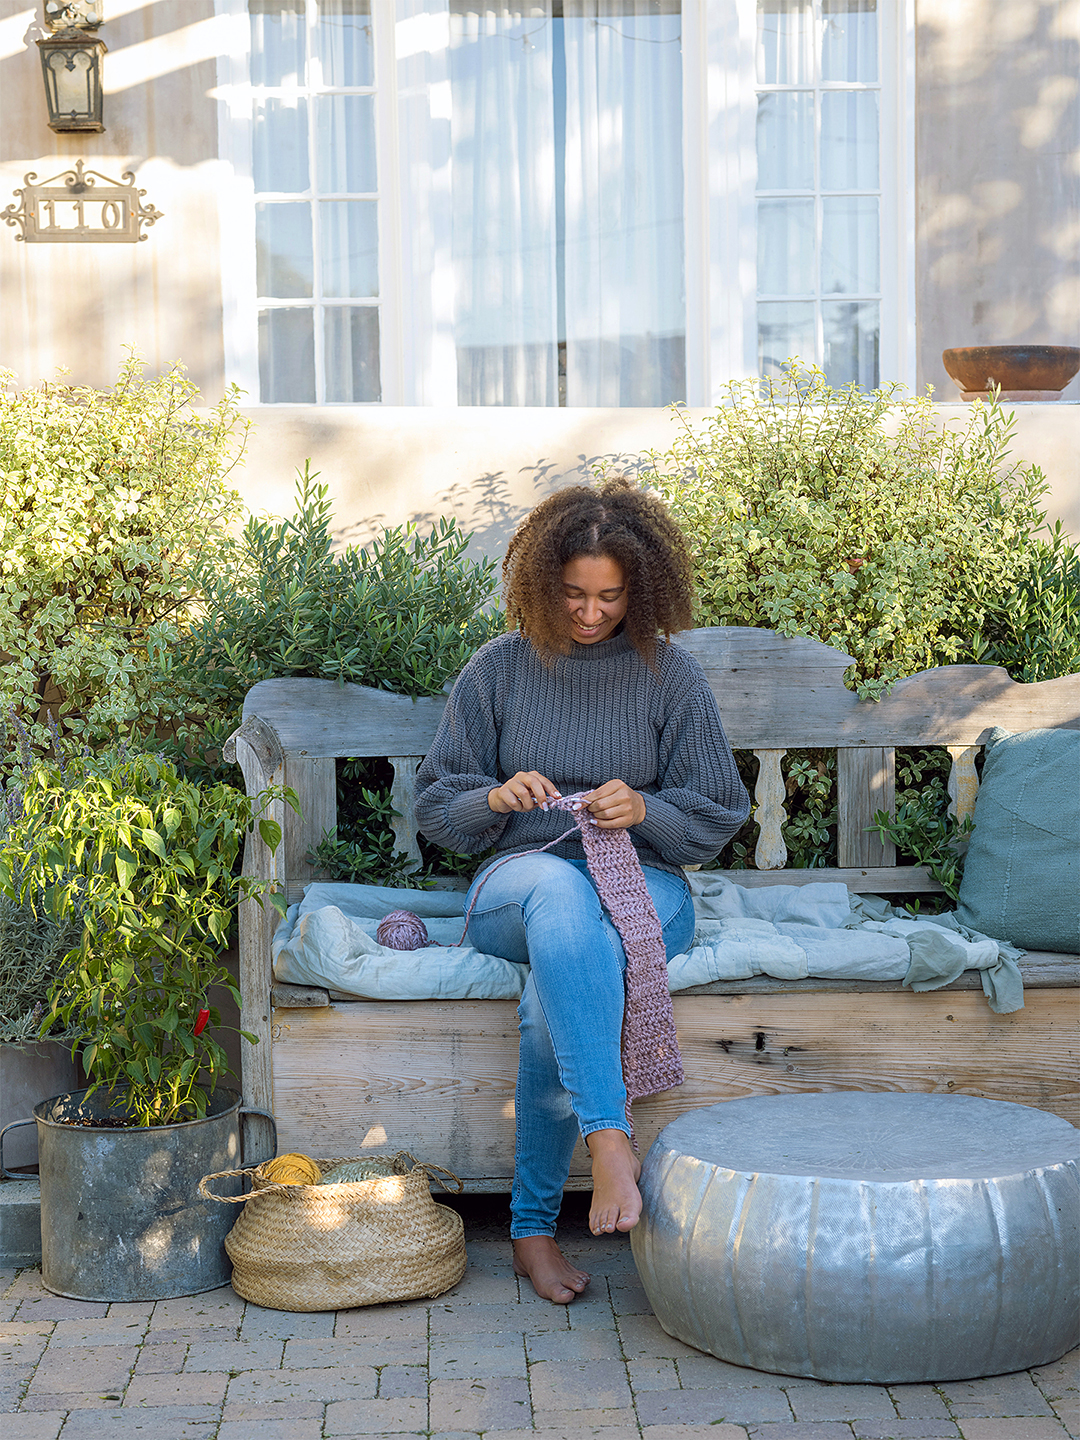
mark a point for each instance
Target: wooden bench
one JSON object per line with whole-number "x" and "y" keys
{"x": 437, "y": 1078}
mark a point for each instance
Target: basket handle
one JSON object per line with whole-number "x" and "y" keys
{"x": 431, "y": 1168}
{"x": 208, "y": 1194}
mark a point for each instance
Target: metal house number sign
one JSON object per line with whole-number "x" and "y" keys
{"x": 80, "y": 210}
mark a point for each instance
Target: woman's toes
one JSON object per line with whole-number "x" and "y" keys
{"x": 616, "y": 1198}
{"x": 539, "y": 1259}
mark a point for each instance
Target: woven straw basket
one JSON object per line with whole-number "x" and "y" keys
{"x": 330, "y": 1247}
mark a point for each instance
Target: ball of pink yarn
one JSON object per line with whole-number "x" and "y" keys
{"x": 402, "y": 930}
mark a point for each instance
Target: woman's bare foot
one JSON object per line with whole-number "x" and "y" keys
{"x": 616, "y": 1203}
{"x": 552, "y": 1275}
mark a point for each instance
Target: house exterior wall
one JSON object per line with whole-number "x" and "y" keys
{"x": 79, "y": 305}
{"x": 998, "y": 178}
{"x": 998, "y": 145}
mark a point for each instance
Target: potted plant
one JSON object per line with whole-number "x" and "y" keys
{"x": 143, "y": 860}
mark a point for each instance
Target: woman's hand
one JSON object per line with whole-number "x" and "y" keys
{"x": 521, "y": 793}
{"x": 616, "y": 806}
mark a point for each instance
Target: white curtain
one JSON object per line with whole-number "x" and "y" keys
{"x": 625, "y": 291}
{"x": 503, "y": 148}
{"x": 422, "y": 42}
{"x": 541, "y": 158}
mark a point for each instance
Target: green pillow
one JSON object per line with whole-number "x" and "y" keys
{"x": 1022, "y": 874}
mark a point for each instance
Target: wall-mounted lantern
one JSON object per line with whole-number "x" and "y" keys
{"x": 71, "y": 63}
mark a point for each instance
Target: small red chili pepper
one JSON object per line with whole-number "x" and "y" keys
{"x": 200, "y": 1021}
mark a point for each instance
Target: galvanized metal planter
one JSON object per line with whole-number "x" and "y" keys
{"x": 876, "y": 1238}
{"x": 121, "y": 1214}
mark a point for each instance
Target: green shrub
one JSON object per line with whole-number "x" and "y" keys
{"x": 853, "y": 518}
{"x": 922, "y": 829}
{"x": 402, "y": 614}
{"x": 1033, "y": 629}
{"x": 362, "y": 851}
{"x": 109, "y": 498}
{"x": 32, "y": 942}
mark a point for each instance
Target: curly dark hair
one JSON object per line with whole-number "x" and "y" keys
{"x": 616, "y": 520}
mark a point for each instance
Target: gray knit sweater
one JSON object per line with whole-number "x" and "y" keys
{"x": 597, "y": 714}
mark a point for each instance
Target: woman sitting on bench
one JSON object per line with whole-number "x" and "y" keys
{"x": 582, "y": 696}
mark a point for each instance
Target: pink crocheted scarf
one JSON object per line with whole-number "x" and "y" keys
{"x": 650, "y": 1051}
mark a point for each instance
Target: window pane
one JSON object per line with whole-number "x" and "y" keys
{"x": 277, "y": 42}
{"x": 347, "y": 144}
{"x": 350, "y": 247}
{"x": 785, "y": 141}
{"x": 625, "y": 290}
{"x": 279, "y": 145}
{"x": 286, "y": 357}
{"x": 283, "y": 259}
{"x": 345, "y": 42}
{"x": 849, "y": 40}
{"x": 785, "y": 31}
{"x": 849, "y": 246}
{"x": 785, "y": 329}
{"x": 851, "y": 343}
{"x": 849, "y": 140}
{"x": 352, "y": 354}
{"x": 786, "y": 247}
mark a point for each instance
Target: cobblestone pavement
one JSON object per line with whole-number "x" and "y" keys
{"x": 487, "y": 1359}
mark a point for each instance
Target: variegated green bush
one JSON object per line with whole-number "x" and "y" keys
{"x": 108, "y": 498}
{"x": 853, "y": 517}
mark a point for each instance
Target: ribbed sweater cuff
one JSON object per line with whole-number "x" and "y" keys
{"x": 664, "y": 826}
{"x": 470, "y": 813}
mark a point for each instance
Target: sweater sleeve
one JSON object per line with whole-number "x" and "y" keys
{"x": 700, "y": 801}
{"x": 453, "y": 781}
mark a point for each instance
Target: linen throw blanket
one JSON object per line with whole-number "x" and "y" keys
{"x": 786, "y": 931}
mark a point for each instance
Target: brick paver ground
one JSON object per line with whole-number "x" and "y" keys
{"x": 488, "y": 1359}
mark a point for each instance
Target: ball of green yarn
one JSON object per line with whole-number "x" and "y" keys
{"x": 351, "y": 1171}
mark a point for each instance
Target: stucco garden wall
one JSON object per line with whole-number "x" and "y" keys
{"x": 487, "y": 467}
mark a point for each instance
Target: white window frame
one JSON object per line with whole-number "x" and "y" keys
{"x": 240, "y": 306}
{"x": 720, "y": 173}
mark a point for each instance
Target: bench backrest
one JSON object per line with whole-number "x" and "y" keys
{"x": 775, "y": 694}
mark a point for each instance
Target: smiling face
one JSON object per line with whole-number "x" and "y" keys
{"x": 596, "y": 597}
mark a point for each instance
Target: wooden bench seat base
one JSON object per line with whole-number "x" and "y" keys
{"x": 437, "y": 1078}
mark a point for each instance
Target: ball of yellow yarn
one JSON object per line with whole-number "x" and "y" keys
{"x": 292, "y": 1169}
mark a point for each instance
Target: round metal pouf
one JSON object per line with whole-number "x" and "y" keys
{"x": 882, "y": 1238}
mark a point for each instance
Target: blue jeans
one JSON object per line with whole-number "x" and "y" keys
{"x": 545, "y": 911}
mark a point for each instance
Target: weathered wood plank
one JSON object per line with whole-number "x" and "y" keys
{"x": 316, "y": 789}
{"x": 1041, "y": 970}
{"x": 321, "y": 717}
{"x": 767, "y": 702}
{"x": 284, "y": 996}
{"x": 865, "y": 784}
{"x": 257, "y": 920}
{"x": 439, "y": 1078}
{"x": 769, "y": 796}
{"x": 863, "y": 880}
{"x": 963, "y": 784}
{"x": 403, "y": 799}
